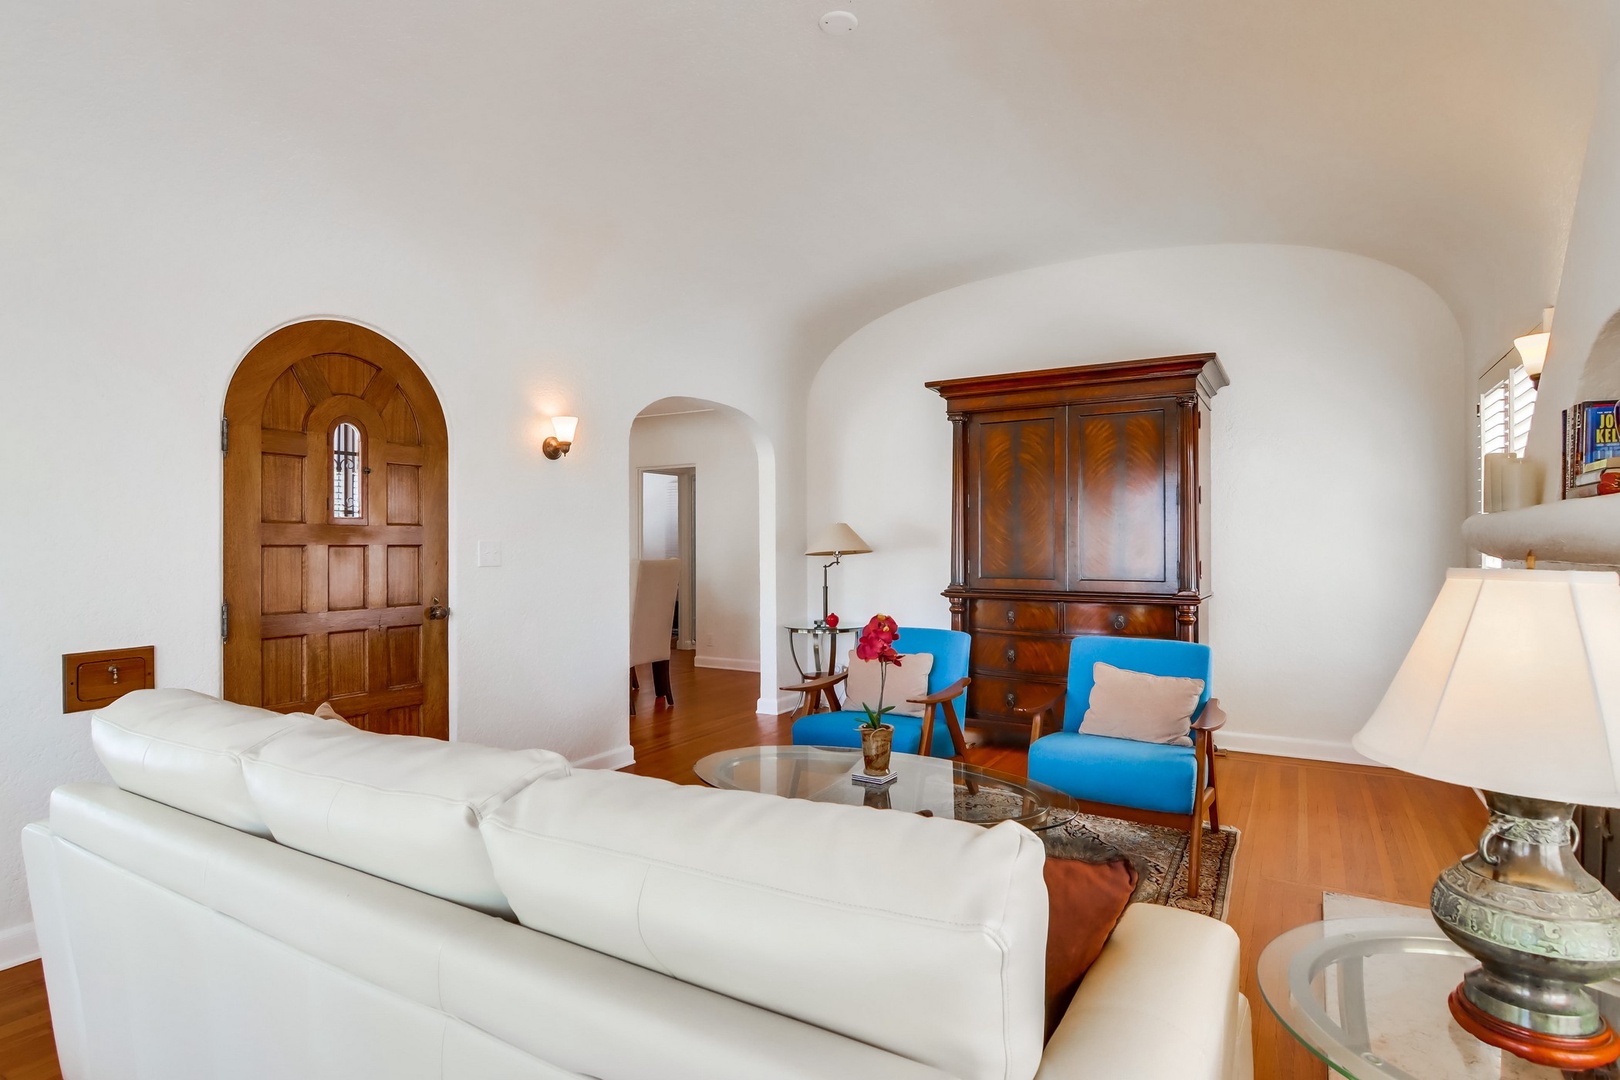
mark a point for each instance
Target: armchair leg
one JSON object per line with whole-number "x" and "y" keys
{"x": 958, "y": 740}
{"x": 925, "y": 740}
{"x": 1195, "y": 851}
{"x": 1214, "y": 796}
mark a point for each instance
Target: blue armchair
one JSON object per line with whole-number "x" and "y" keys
{"x": 939, "y": 725}
{"x": 1155, "y": 783}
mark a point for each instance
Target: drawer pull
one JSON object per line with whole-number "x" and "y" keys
{"x": 1012, "y": 654}
{"x": 1119, "y": 622}
{"x": 1012, "y": 616}
{"x": 1011, "y": 699}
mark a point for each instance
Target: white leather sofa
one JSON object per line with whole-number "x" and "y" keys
{"x": 432, "y": 910}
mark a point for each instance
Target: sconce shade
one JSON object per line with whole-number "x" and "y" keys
{"x": 565, "y": 426}
{"x": 838, "y": 539}
{"x": 1513, "y": 686}
{"x": 1533, "y": 351}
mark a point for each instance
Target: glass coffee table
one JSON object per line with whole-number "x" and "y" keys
{"x": 1368, "y": 997}
{"x": 937, "y": 787}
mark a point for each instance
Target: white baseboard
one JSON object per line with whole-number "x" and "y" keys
{"x": 724, "y": 663}
{"x": 18, "y": 946}
{"x": 1291, "y": 746}
{"x": 616, "y": 758}
{"x": 776, "y": 706}
{"x": 684, "y": 645}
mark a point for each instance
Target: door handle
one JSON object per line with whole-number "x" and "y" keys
{"x": 437, "y": 610}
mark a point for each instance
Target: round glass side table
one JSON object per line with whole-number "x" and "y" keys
{"x": 823, "y": 648}
{"x": 1368, "y": 997}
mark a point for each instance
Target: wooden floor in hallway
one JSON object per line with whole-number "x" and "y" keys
{"x": 1307, "y": 827}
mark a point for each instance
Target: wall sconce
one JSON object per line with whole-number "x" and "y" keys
{"x": 1533, "y": 348}
{"x": 557, "y": 445}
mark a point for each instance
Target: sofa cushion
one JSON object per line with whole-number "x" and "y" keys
{"x": 397, "y": 806}
{"x": 841, "y": 916}
{"x": 185, "y": 749}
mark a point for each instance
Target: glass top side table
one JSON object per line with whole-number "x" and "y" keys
{"x": 939, "y": 787}
{"x": 1368, "y": 997}
{"x": 823, "y": 648}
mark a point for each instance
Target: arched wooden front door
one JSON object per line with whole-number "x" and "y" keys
{"x": 336, "y": 531}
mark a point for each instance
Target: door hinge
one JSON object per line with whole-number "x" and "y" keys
{"x": 224, "y": 435}
{"x": 225, "y": 622}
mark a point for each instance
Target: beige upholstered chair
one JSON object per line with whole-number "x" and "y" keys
{"x": 652, "y": 618}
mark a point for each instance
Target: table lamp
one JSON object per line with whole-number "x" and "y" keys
{"x": 1513, "y": 687}
{"x": 836, "y": 540}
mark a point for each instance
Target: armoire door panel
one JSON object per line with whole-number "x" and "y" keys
{"x": 1017, "y": 523}
{"x": 1126, "y": 467}
{"x": 322, "y": 601}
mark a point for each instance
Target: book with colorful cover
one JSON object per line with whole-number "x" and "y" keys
{"x": 1599, "y": 428}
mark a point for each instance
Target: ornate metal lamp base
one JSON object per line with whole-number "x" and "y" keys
{"x": 1541, "y": 927}
{"x": 1574, "y": 1055}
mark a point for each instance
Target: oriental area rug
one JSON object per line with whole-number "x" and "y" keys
{"x": 1159, "y": 855}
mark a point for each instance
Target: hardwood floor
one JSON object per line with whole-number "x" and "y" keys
{"x": 1307, "y": 827}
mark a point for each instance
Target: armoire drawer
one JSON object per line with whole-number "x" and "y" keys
{"x": 1017, "y": 615}
{"x": 1021, "y": 655}
{"x": 1121, "y": 620}
{"x": 992, "y": 697}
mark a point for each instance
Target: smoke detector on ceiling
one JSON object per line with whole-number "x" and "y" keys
{"x": 839, "y": 23}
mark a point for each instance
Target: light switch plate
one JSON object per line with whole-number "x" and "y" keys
{"x": 489, "y": 553}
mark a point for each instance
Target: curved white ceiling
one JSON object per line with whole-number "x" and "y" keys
{"x": 726, "y": 163}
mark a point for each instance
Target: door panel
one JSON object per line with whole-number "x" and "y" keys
{"x": 334, "y": 542}
{"x": 1016, "y": 529}
{"x": 1126, "y": 491}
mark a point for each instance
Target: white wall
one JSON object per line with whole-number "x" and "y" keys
{"x": 1583, "y": 362}
{"x": 1338, "y": 475}
{"x": 727, "y": 511}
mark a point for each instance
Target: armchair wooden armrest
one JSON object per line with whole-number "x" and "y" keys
{"x": 945, "y": 699}
{"x": 818, "y": 688}
{"x": 1212, "y": 718}
{"x": 1041, "y": 715}
{"x": 950, "y": 693}
{"x": 812, "y": 685}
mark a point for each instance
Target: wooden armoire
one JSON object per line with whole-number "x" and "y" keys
{"x": 1080, "y": 506}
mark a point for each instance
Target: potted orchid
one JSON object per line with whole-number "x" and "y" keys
{"x": 877, "y": 738}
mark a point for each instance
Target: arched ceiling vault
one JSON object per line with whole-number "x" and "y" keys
{"x": 723, "y": 164}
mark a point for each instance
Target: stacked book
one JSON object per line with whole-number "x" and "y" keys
{"x": 1591, "y": 450}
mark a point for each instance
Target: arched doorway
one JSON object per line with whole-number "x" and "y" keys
{"x": 336, "y": 531}
{"x": 726, "y": 470}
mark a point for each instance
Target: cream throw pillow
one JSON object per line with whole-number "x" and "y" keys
{"x": 909, "y": 680}
{"x": 1135, "y": 705}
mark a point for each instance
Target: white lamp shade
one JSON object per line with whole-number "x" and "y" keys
{"x": 838, "y": 539}
{"x": 1513, "y": 685}
{"x": 564, "y": 427}
{"x": 1533, "y": 351}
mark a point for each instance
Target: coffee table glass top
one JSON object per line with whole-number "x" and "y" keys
{"x": 1368, "y": 997}
{"x": 939, "y": 787}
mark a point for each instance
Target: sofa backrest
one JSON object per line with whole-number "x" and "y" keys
{"x": 185, "y": 749}
{"x": 925, "y": 937}
{"x": 401, "y": 807}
